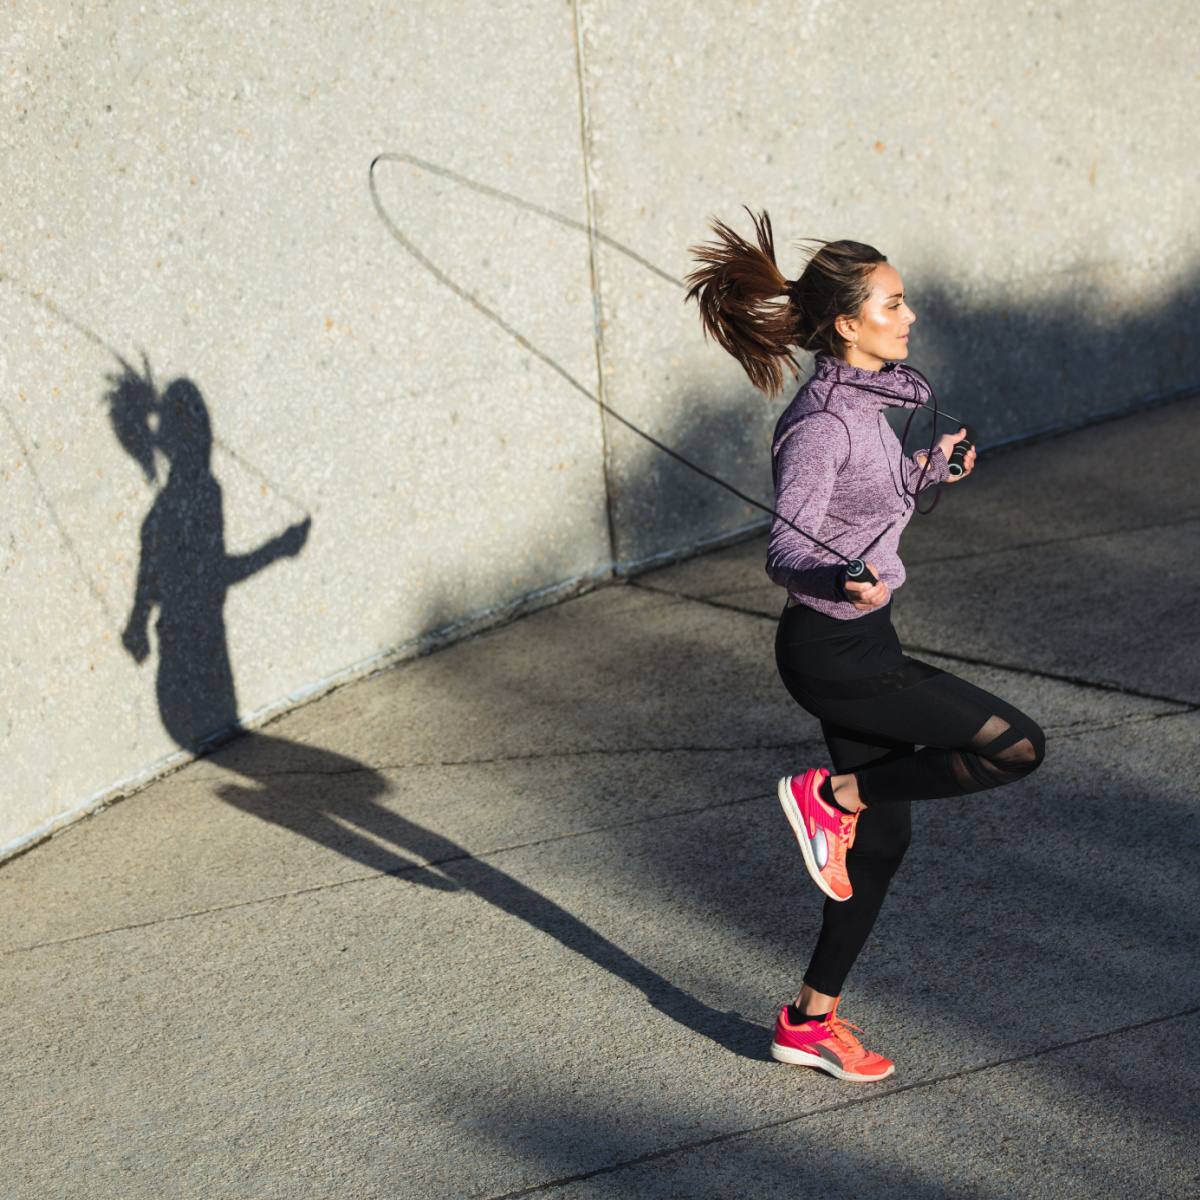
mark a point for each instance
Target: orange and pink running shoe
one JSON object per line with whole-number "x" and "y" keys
{"x": 827, "y": 1044}
{"x": 824, "y": 833}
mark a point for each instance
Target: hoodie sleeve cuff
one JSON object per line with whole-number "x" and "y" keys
{"x": 821, "y": 581}
{"x": 938, "y": 471}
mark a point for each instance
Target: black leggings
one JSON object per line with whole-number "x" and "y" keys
{"x": 876, "y": 706}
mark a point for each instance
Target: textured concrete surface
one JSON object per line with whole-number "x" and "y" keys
{"x": 1003, "y": 158}
{"x": 514, "y": 918}
{"x": 194, "y": 186}
{"x": 187, "y": 192}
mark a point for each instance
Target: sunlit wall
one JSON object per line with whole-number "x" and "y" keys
{"x": 265, "y": 425}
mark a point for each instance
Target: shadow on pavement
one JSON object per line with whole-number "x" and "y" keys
{"x": 346, "y": 817}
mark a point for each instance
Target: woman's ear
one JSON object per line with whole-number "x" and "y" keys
{"x": 847, "y": 329}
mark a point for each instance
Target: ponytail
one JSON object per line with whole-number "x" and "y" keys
{"x": 743, "y": 302}
{"x": 753, "y": 312}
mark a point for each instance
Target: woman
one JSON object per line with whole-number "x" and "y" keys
{"x": 841, "y": 475}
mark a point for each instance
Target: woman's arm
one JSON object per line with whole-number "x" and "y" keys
{"x": 806, "y": 469}
{"x": 938, "y": 469}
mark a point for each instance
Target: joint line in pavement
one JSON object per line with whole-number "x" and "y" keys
{"x": 838, "y": 1106}
{"x": 397, "y": 873}
{"x": 1067, "y": 539}
{"x": 1100, "y": 685}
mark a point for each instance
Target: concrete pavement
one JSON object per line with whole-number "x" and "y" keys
{"x": 515, "y": 918}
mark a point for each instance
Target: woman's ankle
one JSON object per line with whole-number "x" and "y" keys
{"x": 811, "y": 1003}
{"x": 845, "y": 793}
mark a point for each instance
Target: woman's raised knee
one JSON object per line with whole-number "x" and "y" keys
{"x": 1035, "y": 740}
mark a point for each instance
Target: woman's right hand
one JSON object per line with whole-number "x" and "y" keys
{"x": 946, "y": 444}
{"x": 866, "y": 596}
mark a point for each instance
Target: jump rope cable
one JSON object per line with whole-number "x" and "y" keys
{"x": 857, "y": 570}
{"x": 954, "y": 459}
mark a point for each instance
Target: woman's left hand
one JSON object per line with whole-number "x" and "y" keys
{"x": 866, "y": 596}
{"x": 946, "y": 444}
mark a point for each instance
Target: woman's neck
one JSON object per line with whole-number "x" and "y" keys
{"x": 855, "y": 357}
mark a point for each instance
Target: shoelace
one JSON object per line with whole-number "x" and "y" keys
{"x": 841, "y": 1030}
{"x": 848, "y": 827}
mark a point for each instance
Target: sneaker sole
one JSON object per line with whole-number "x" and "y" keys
{"x": 791, "y": 810}
{"x": 801, "y": 1058}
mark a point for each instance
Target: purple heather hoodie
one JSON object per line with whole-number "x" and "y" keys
{"x": 840, "y": 474}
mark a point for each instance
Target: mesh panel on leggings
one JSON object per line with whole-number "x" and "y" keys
{"x": 996, "y": 755}
{"x": 943, "y": 735}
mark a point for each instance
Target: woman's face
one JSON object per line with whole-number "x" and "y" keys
{"x": 879, "y": 333}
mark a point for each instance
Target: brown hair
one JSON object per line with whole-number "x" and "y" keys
{"x": 749, "y": 309}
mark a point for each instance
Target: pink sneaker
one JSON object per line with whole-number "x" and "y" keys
{"x": 827, "y": 1044}
{"x": 824, "y": 833}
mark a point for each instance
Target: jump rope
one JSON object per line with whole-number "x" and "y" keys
{"x": 857, "y": 570}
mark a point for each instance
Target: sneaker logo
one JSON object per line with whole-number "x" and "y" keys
{"x": 828, "y": 1055}
{"x": 820, "y": 848}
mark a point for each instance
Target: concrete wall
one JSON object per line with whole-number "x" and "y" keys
{"x": 190, "y": 184}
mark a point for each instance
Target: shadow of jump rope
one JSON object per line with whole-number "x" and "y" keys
{"x": 349, "y": 819}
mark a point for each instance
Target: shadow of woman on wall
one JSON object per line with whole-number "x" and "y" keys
{"x": 328, "y": 798}
{"x": 184, "y": 570}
